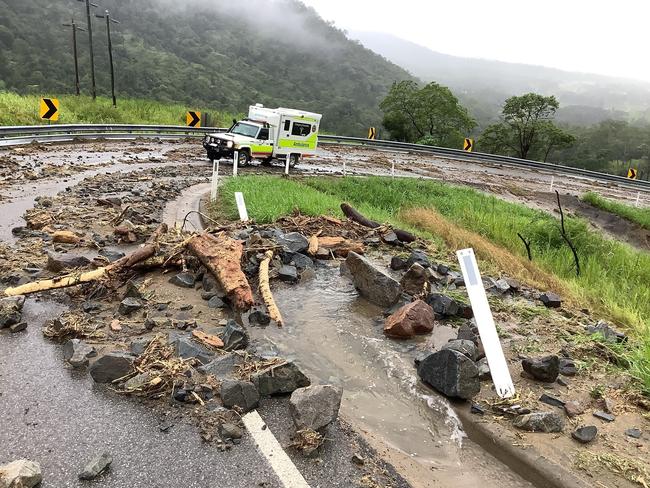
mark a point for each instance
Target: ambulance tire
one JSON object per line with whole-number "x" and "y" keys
{"x": 294, "y": 159}
{"x": 244, "y": 159}
{"x": 267, "y": 161}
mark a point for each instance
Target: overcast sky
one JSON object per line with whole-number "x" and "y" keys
{"x": 608, "y": 37}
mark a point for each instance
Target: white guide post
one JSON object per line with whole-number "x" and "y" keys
{"x": 638, "y": 198}
{"x": 286, "y": 165}
{"x": 485, "y": 323}
{"x": 235, "y": 162}
{"x": 215, "y": 180}
{"x": 552, "y": 181}
{"x": 241, "y": 206}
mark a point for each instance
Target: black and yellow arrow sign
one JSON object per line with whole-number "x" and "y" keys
{"x": 468, "y": 145}
{"x": 49, "y": 109}
{"x": 372, "y": 133}
{"x": 193, "y": 119}
{"x": 632, "y": 173}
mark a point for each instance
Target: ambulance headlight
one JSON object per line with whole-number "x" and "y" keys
{"x": 229, "y": 144}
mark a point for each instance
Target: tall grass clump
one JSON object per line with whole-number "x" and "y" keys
{"x": 640, "y": 216}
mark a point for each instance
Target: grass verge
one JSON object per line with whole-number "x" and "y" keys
{"x": 23, "y": 110}
{"x": 640, "y": 216}
{"x": 614, "y": 279}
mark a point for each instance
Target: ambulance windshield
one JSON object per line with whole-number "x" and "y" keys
{"x": 247, "y": 130}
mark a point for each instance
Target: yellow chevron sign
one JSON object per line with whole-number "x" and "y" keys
{"x": 372, "y": 133}
{"x": 632, "y": 173}
{"x": 49, "y": 109}
{"x": 193, "y": 119}
{"x": 468, "y": 145}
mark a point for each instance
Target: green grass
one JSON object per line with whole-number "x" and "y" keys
{"x": 23, "y": 110}
{"x": 615, "y": 277}
{"x": 640, "y": 216}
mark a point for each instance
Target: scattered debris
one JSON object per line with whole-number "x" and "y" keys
{"x": 584, "y": 435}
{"x": 20, "y": 474}
{"x": 545, "y": 368}
{"x": 242, "y": 394}
{"x": 111, "y": 367}
{"x": 540, "y": 422}
{"x": 411, "y": 319}
{"x": 96, "y": 466}
{"x": 315, "y": 407}
{"x": 307, "y": 441}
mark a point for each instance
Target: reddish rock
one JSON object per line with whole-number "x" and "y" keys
{"x": 414, "y": 318}
{"x": 573, "y": 408}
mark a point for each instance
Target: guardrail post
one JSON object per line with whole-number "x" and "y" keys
{"x": 235, "y": 162}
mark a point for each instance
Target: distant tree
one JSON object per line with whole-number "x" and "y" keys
{"x": 526, "y": 128}
{"x": 431, "y": 114}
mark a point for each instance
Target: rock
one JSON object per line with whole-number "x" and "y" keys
{"x": 288, "y": 274}
{"x": 314, "y": 407}
{"x": 390, "y": 238}
{"x": 139, "y": 345}
{"x": 184, "y": 280}
{"x": 293, "y": 241}
{"x": 137, "y": 382}
{"x": 372, "y": 283}
{"x": 443, "y": 305}
{"x": 96, "y": 466}
{"x": 573, "y": 408}
{"x": 222, "y": 366}
{"x": 608, "y": 405}
{"x": 451, "y": 373}
{"x": 239, "y": 393}
{"x": 608, "y": 332}
{"x": 420, "y": 258}
{"x": 433, "y": 276}
{"x": 19, "y": 327}
{"x": 65, "y": 237}
{"x": 259, "y": 317}
{"x": 502, "y": 286}
{"x": 15, "y": 302}
{"x": 234, "y": 337}
{"x": 157, "y": 322}
{"x": 539, "y": 422}
{"x": 111, "y": 366}
{"x": 468, "y": 348}
{"x": 484, "y": 373}
{"x": 58, "y": 263}
{"x": 568, "y": 367}
{"x": 229, "y": 430}
{"x": 90, "y": 306}
{"x": 414, "y": 280}
{"x": 308, "y": 274}
{"x": 298, "y": 260}
{"x": 283, "y": 378}
{"x": 546, "y": 368}
{"x": 586, "y": 434}
{"x": 132, "y": 291}
{"x": 112, "y": 256}
{"x": 634, "y": 433}
{"x": 216, "y": 302}
{"x": 397, "y": 263}
{"x": 468, "y": 333}
{"x": 129, "y": 305}
{"x": 77, "y": 353}
{"x": 551, "y": 400}
{"x": 10, "y": 314}
{"x": 607, "y": 417}
{"x": 186, "y": 348}
{"x": 476, "y": 409}
{"x": 551, "y": 300}
{"x": 210, "y": 283}
{"x": 358, "y": 459}
{"x": 20, "y": 474}
{"x": 413, "y": 318}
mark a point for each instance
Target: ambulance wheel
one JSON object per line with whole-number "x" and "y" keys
{"x": 294, "y": 159}
{"x": 267, "y": 161}
{"x": 244, "y": 159}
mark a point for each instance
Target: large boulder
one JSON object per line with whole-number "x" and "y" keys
{"x": 314, "y": 407}
{"x": 540, "y": 422}
{"x": 374, "y": 284}
{"x": 413, "y": 318}
{"x": 451, "y": 373}
{"x": 414, "y": 280}
{"x": 283, "y": 378}
{"x": 242, "y": 394}
{"x": 20, "y": 474}
{"x": 545, "y": 368}
{"x": 111, "y": 366}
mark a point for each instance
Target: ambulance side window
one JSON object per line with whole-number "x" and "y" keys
{"x": 287, "y": 124}
{"x": 300, "y": 129}
{"x": 264, "y": 134}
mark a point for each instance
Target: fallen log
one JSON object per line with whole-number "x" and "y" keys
{"x": 145, "y": 252}
{"x": 354, "y": 215}
{"x": 222, "y": 256}
{"x": 313, "y": 245}
{"x": 340, "y": 246}
{"x": 265, "y": 290}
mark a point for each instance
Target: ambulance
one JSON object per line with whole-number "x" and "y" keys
{"x": 267, "y": 134}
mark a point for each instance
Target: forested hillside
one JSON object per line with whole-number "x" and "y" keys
{"x": 215, "y": 53}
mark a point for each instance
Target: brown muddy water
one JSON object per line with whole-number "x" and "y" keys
{"x": 337, "y": 338}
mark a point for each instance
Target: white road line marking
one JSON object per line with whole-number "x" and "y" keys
{"x": 269, "y": 446}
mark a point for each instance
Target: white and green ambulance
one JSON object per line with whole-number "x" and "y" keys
{"x": 267, "y": 134}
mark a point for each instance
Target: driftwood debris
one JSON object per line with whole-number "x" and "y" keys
{"x": 145, "y": 252}
{"x": 222, "y": 256}
{"x": 339, "y": 246}
{"x": 354, "y": 215}
{"x": 313, "y": 245}
{"x": 265, "y": 290}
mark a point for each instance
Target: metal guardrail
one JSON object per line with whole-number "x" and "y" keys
{"x": 20, "y": 135}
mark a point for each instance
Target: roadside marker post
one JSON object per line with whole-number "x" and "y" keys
{"x": 286, "y": 166}
{"x": 638, "y": 197}
{"x": 235, "y": 162}
{"x": 241, "y": 206}
{"x": 215, "y": 180}
{"x": 485, "y": 323}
